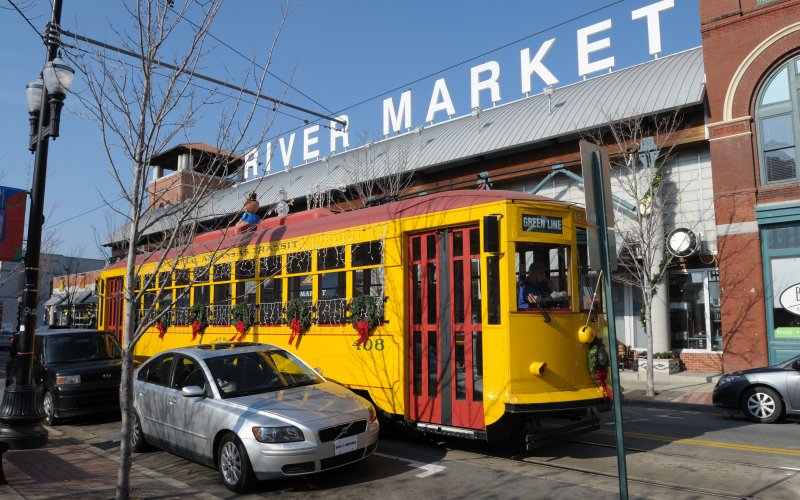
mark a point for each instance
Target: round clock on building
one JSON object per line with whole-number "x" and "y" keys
{"x": 681, "y": 242}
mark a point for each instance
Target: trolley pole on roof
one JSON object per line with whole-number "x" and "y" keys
{"x": 600, "y": 241}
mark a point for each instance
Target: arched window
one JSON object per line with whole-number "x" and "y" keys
{"x": 778, "y": 125}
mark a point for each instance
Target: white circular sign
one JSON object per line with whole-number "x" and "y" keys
{"x": 790, "y": 299}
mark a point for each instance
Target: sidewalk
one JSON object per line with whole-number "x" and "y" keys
{"x": 685, "y": 389}
{"x": 71, "y": 466}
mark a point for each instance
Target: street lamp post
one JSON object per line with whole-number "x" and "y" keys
{"x": 21, "y": 413}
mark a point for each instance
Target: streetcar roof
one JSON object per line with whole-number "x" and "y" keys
{"x": 314, "y": 221}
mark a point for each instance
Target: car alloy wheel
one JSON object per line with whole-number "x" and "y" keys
{"x": 49, "y": 411}
{"x": 762, "y": 405}
{"x": 234, "y": 465}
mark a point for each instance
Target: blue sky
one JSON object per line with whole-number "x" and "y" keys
{"x": 337, "y": 53}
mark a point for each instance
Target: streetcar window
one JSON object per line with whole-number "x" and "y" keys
{"x": 201, "y": 275}
{"x": 164, "y": 280}
{"x": 300, "y": 287}
{"x": 368, "y": 282}
{"x": 475, "y": 289}
{"x": 181, "y": 277}
{"x": 331, "y": 300}
{"x": 202, "y": 295}
{"x": 433, "y": 365}
{"x": 271, "y": 306}
{"x": 416, "y": 294}
{"x": 493, "y": 288}
{"x": 477, "y": 366}
{"x": 330, "y": 258}
{"x": 299, "y": 262}
{"x": 588, "y": 279}
{"x": 246, "y": 292}
{"x": 542, "y": 272}
{"x": 474, "y": 241}
{"x": 222, "y": 272}
{"x": 367, "y": 254}
{"x": 245, "y": 269}
{"x": 147, "y": 282}
{"x": 458, "y": 290}
{"x": 270, "y": 266}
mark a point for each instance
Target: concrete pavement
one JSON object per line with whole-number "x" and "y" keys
{"x": 75, "y": 464}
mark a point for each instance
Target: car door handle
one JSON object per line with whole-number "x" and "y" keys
{"x": 172, "y": 401}
{"x": 140, "y": 393}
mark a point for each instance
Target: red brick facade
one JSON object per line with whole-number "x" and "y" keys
{"x": 743, "y": 42}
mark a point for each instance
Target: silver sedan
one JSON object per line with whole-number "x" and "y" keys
{"x": 254, "y": 411}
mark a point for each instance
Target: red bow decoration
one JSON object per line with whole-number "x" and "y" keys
{"x": 362, "y": 327}
{"x": 161, "y": 329}
{"x": 241, "y": 329}
{"x": 601, "y": 374}
{"x": 195, "y": 329}
{"x": 295, "y": 326}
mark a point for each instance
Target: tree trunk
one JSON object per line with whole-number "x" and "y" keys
{"x": 648, "y": 315}
{"x": 126, "y": 410}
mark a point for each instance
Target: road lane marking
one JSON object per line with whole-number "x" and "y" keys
{"x": 712, "y": 444}
{"x": 428, "y": 469}
{"x": 670, "y": 416}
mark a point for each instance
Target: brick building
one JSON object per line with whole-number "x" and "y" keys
{"x": 752, "y": 64}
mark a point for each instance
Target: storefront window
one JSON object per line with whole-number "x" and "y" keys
{"x": 694, "y": 304}
{"x": 786, "y": 286}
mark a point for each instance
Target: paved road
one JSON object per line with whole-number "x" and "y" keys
{"x": 671, "y": 454}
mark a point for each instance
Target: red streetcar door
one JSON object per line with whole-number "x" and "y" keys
{"x": 446, "y": 367}
{"x": 466, "y": 346}
{"x": 113, "y": 307}
{"x": 424, "y": 383}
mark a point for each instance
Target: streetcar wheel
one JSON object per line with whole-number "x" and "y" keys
{"x": 138, "y": 441}
{"x": 762, "y": 405}
{"x": 234, "y": 465}
{"x": 49, "y": 409}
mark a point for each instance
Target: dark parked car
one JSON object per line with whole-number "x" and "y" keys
{"x": 7, "y": 333}
{"x": 79, "y": 371}
{"x": 765, "y": 394}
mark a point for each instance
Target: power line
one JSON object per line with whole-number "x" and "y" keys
{"x": 194, "y": 74}
{"x": 236, "y": 51}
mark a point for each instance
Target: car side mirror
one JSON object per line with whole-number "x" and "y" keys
{"x": 796, "y": 365}
{"x": 192, "y": 391}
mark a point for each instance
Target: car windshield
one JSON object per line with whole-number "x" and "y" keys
{"x": 257, "y": 372}
{"x": 78, "y": 347}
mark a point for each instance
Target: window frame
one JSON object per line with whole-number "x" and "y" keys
{"x": 765, "y": 112}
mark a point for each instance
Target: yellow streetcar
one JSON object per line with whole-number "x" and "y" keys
{"x": 422, "y": 305}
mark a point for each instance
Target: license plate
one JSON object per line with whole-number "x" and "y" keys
{"x": 345, "y": 444}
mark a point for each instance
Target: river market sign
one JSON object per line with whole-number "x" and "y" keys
{"x": 593, "y": 46}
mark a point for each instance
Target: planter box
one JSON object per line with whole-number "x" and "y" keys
{"x": 661, "y": 366}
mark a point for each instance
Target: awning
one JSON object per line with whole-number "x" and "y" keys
{"x": 80, "y": 297}
{"x": 54, "y": 300}
{"x": 91, "y": 299}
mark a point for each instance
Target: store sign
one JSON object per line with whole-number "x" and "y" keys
{"x": 790, "y": 299}
{"x": 787, "y": 332}
{"x": 542, "y": 224}
{"x": 594, "y": 54}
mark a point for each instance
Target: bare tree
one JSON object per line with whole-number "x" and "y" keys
{"x": 640, "y": 150}
{"x": 140, "y": 109}
{"x": 379, "y": 171}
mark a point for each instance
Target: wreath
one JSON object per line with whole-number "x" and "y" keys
{"x": 364, "y": 316}
{"x": 243, "y": 318}
{"x": 163, "y": 323}
{"x": 298, "y": 316}
{"x": 198, "y": 314}
{"x": 598, "y": 365}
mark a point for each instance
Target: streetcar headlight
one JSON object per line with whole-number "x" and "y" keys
{"x": 286, "y": 434}
{"x": 68, "y": 379}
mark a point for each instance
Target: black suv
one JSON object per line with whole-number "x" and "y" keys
{"x": 79, "y": 371}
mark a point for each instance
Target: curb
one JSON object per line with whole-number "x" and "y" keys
{"x": 672, "y": 405}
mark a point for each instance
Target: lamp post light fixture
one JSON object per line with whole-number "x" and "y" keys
{"x": 21, "y": 412}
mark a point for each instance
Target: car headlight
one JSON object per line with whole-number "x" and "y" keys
{"x": 373, "y": 416}
{"x": 287, "y": 434}
{"x": 727, "y": 379}
{"x": 68, "y": 379}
